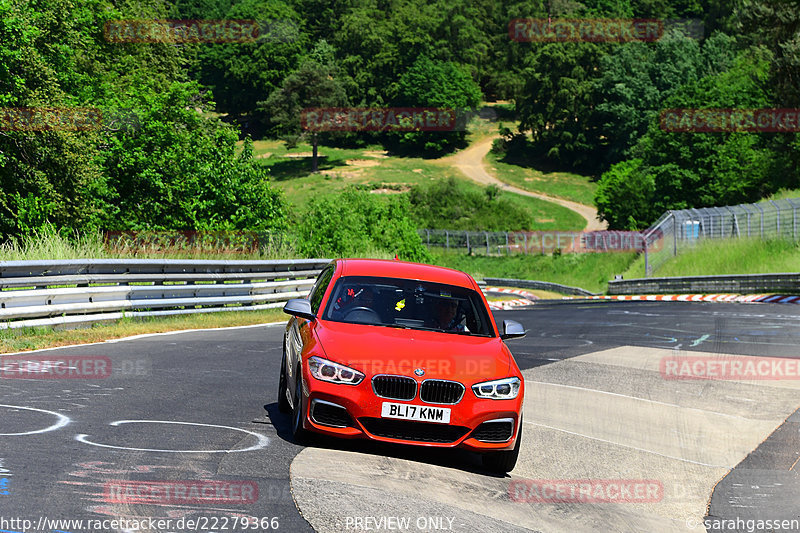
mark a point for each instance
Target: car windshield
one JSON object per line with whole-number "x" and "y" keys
{"x": 411, "y": 304}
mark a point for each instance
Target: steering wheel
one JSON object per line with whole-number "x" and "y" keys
{"x": 363, "y": 314}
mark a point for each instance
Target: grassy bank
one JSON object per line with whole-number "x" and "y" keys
{"x": 589, "y": 271}
{"x": 566, "y": 185}
{"x": 719, "y": 257}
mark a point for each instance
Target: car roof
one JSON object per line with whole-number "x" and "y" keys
{"x": 405, "y": 270}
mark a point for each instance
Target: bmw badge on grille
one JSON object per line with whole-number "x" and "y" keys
{"x": 419, "y": 372}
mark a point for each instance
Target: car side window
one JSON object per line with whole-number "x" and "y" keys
{"x": 319, "y": 289}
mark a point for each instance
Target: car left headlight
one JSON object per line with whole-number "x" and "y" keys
{"x": 499, "y": 389}
{"x": 325, "y": 370}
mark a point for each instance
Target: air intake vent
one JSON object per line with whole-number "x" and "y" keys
{"x": 494, "y": 431}
{"x": 414, "y": 431}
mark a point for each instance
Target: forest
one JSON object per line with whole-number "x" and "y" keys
{"x": 166, "y": 123}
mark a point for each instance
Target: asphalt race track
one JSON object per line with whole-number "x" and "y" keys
{"x": 184, "y": 428}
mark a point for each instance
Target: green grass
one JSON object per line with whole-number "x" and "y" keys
{"x": 50, "y": 245}
{"x": 389, "y": 175}
{"x": 720, "y": 257}
{"x": 23, "y": 339}
{"x": 590, "y": 271}
{"x": 566, "y": 185}
{"x": 785, "y": 193}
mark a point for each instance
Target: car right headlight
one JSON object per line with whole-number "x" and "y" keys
{"x": 499, "y": 389}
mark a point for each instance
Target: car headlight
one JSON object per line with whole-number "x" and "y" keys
{"x": 499, "y": 389}
{"x": 325, "y": 370}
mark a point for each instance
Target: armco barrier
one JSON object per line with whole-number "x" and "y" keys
{"x": 539, "y": 285}
{"x": 36, "y": 293}
{"x": 739, "y": 283}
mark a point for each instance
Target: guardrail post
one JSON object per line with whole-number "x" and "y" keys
{"x": 447, "y": 239}
{"x": 469, "y": 250}
{"x": 646, "y": 262}
{"x": 487, "y": 242}
{"x": 794, "y": 218}
{"x": 674, "y": 235}
{"x": 508, "y": 250}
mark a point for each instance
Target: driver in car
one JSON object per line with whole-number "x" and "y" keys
{"x": 355, "y": 297}
{"x": 445, "y": 316}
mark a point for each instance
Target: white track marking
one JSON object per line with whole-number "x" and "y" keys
{"x": 627, "y": 446}
{"x": 263, "y": 441}
{"x": 637, "y": 398}
{"x": 62, "y": 421}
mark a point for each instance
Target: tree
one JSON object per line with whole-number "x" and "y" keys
{"x": 637, "y": 78}
{"x": 557, "y": 102}
{"x": 314, "y": 84}
{"x": 439, "y": 84}
{"x": 624, "y": 196}
{"x": 239, "y": 74}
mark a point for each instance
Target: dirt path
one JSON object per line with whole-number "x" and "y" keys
{"x": 470, "y": 163}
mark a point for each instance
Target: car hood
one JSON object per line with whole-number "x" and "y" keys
{"x": 382, "y": 350}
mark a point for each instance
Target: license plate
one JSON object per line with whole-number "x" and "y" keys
{"x": 421, "y": 413}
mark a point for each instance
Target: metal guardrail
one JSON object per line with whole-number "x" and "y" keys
{"x": 37, "y": 293}
{"x": 740, "y": 283}
{"x": 539, "y": 285}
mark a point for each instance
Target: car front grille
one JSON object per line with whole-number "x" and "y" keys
{"x": 413, "y": 431}
{"x": 494, "y": 431}
{"x": 441, "y": 391}
{"x": 394, "y": 387}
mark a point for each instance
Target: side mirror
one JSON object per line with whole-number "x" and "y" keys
{"x": 512, "y": 330}
{"x": 299, "y": 307}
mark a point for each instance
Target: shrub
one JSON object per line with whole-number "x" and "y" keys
{"x": 355, "y": 223}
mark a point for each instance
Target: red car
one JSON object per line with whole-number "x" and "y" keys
{"x": 404, "y": 353}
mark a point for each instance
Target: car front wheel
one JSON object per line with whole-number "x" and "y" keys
{"x": 299, "y": 433}
{"x": 283, "y": 401}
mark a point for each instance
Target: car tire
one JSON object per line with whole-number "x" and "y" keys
{"x": 283, "y": 401}
{"x": 503, "y": 462}
{"x": 299, "y": 433}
